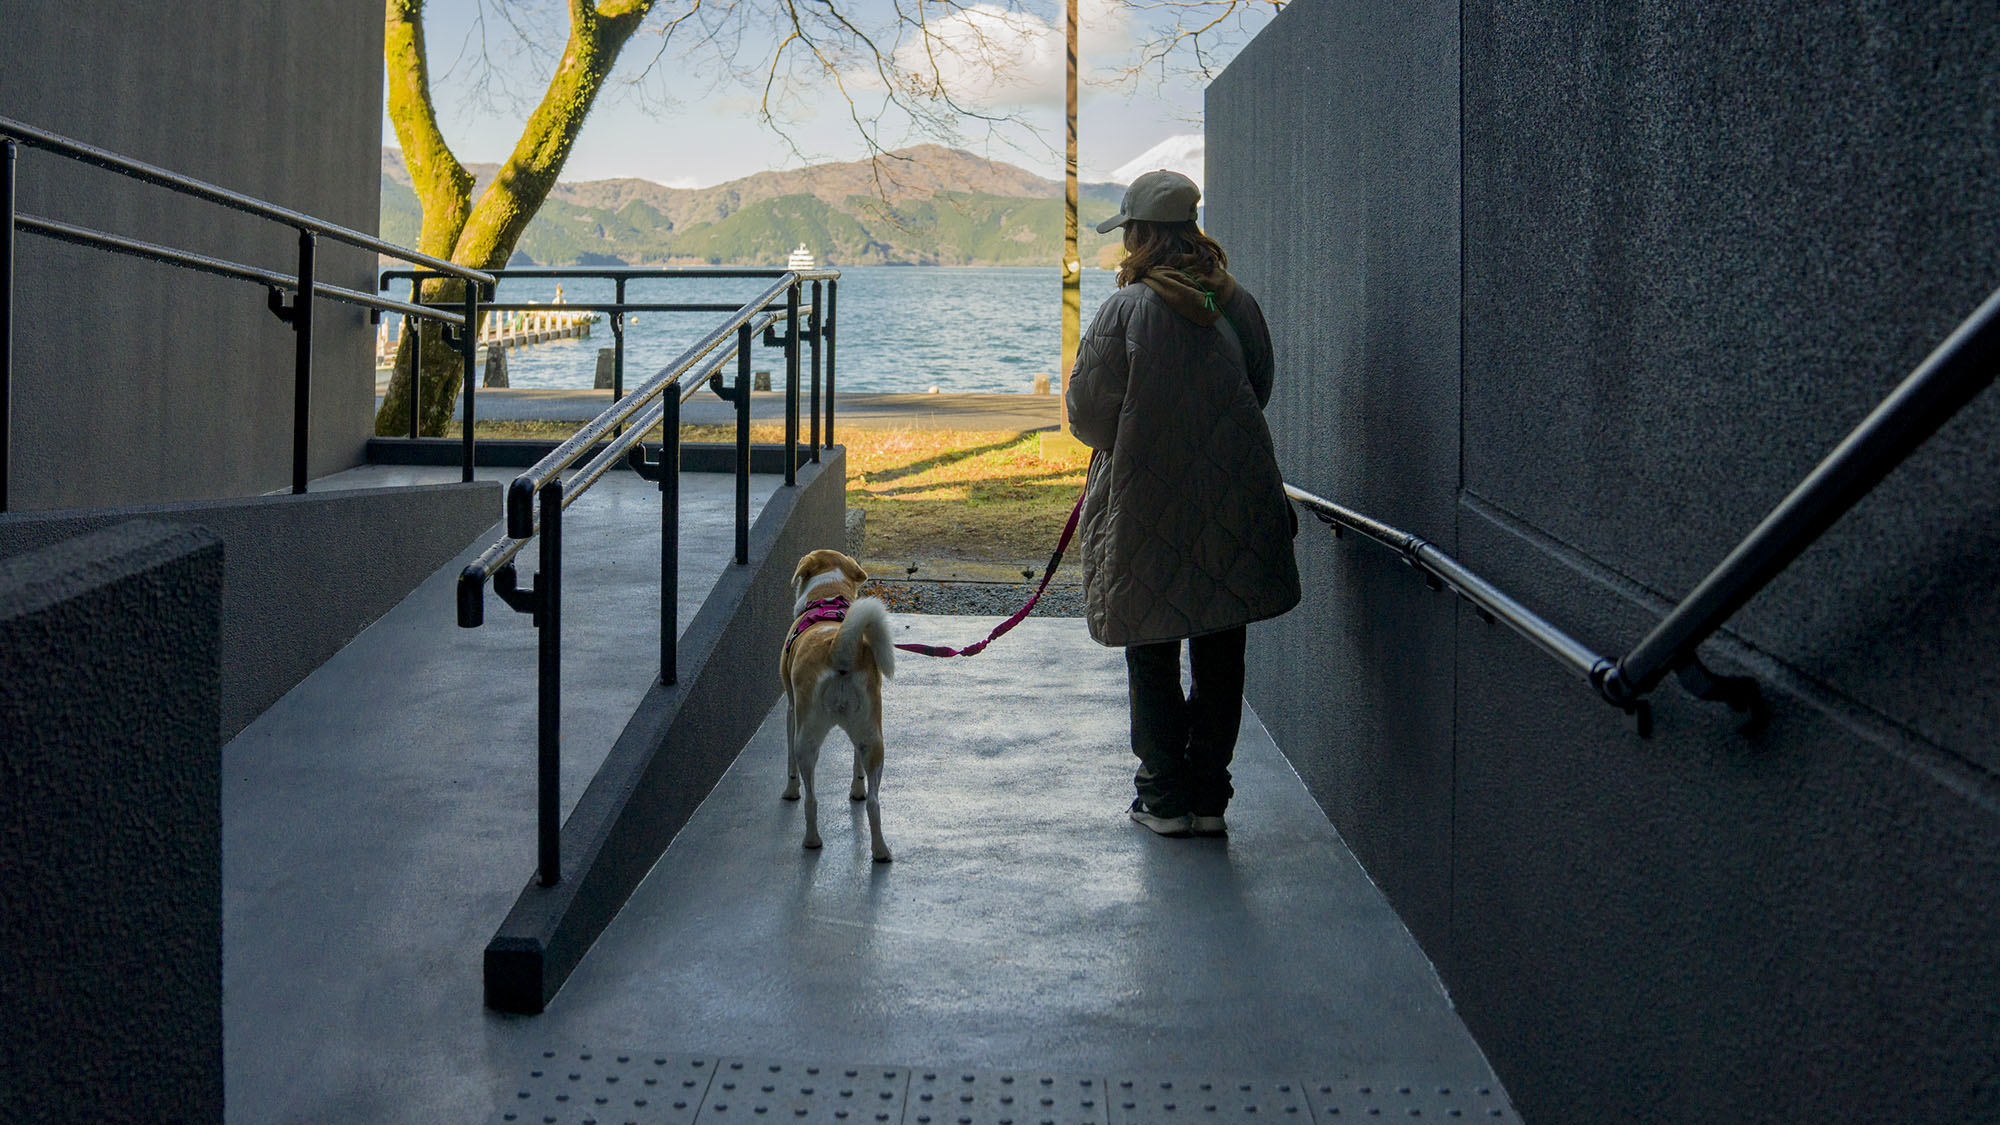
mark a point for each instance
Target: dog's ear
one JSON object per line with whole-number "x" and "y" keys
{"x": 853, "y": 570}
{"x": 799, "y": 575}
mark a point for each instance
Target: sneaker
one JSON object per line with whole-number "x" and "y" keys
{"x": 1208, "y": 825}
{"x": 1164, "y": 825}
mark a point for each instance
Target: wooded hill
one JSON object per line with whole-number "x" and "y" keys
{"x": 930, "y": 206}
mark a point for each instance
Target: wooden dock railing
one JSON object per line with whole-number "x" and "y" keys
{"x": 503, "y": 329}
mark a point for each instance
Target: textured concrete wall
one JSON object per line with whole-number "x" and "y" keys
{"x": 112, "y": 841}
{"x": 136, "y": 382}
{"x": 1333, "y": 185}
{"x": 1697, "y": 247}
{"x": 303, "y": 574}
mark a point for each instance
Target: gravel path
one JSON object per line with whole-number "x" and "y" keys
{"x": 977, "y": 599}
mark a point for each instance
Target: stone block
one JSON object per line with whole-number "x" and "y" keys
{"x": 496, "y": 367}
{"x": 857, "y": 532}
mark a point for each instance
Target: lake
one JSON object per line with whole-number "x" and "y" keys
{"x": 902, "y": 328}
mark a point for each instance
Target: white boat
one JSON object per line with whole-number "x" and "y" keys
{"x": 801, "y": 259}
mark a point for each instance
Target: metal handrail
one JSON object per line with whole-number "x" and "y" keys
{"x": 521, "y": 493}
{"x": 641, "y": 273}
{"x": 236, "y": 201}
{"x": 619, "y": 307}
{"x": 1441, "y": 571}
{"x": 303, "y": 286}
{"x": 154, "y": 252}
{"x": 1954, "y": 373}
{"x": 503, "y": 551}
{"x": 1951, "y": 376}
{"x": 538, "y": 497}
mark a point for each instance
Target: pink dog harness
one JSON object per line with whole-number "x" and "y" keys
{"x": 817, "y": 613}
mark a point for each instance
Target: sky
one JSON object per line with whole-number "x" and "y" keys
{"x": 668, "y": 116}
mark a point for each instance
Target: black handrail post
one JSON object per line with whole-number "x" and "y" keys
{"x": 743, "y": 445}
{"x": 818, "y": 318}
{"x": 618, "y": 353}
{"x": 670, "y": 534}
{"x": 548, "y": 602}
{"x": 416, "y": 332}
{"x": 302, "y": 323}
{"x": 792, "y": 385}
{"x": 11, "y": 151}
{"x": 468, "y": 347}
{"x": 826, "y": 327}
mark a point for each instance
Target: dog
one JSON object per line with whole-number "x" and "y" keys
{"x": 834, "y": 661}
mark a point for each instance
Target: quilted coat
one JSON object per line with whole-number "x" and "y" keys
{"x": 1186, "y": 529}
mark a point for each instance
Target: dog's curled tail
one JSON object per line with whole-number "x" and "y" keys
{"x": 867, "y": 620}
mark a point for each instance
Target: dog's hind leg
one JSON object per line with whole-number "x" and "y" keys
{"x": 872, "y": 753}
{"x": 811, "y": 733}
{"x": 791, "y": 792}
{"x": 859, "y": 790}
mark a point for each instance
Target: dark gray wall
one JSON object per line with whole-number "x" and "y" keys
{"x": 112, "y": 815}
{"x": 1685, "y": 250}
{"x": 136, "y": 382}
{"x": 303, "y": 574}
{"x": 1333, "y": 185}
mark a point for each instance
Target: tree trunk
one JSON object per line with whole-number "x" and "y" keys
{"x": 482, "y": 235}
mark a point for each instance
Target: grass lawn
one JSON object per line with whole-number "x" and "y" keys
{"x": 971, "y": 496}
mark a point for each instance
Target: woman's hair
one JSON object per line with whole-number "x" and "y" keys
{"x": 1149, "y": 244}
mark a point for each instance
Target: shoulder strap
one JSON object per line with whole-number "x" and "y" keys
{"x": 1228, "y": 329}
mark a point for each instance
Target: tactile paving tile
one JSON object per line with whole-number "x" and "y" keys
{"x": 606, "y": 1088}
{"x": 814, "y": 1093}
{"x": 1149, "y": 1101}
{"x": 1359, "y": 1100}
{"x": 985, "y": 1097}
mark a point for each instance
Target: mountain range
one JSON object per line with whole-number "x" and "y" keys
{"x": 926, "y": 205}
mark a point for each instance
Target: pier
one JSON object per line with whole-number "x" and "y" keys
{"x": 501, "y": 329}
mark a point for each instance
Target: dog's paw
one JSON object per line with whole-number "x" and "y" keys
{"x": 858, "y": 791}
{"x": 882, "y": 855}
{"x": 812, "y": 843}
{"x": 791, "y": 792}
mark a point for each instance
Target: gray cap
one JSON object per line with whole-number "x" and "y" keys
{"x": 1156, "y": 197}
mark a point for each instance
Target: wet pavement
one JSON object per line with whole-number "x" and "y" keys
{"x": 378, "y": 824}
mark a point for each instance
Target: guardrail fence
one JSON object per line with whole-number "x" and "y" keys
{"x": 537, "y": 498}
{"x": 303, "y": 285}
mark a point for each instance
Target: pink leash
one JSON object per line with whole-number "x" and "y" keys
{"x": 1055, "y": 561}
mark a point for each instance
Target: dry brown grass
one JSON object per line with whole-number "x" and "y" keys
{"x": 930, "y": 495}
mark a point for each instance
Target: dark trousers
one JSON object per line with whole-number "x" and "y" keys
{"x": 1184, "y": 743}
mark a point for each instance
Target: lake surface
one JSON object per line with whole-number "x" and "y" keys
{"x": 902, "y": 328}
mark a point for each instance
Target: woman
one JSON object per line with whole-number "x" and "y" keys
{"x": 1187, "y": 534}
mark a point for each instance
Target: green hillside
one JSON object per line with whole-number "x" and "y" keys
{"x": 723, "y": 226}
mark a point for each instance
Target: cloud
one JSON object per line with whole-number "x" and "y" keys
{"x": 988, "y": 57}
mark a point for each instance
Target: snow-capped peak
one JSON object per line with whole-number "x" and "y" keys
{"x": 1181, "y": 153}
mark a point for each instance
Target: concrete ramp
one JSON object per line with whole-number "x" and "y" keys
{"x": 1026, "y": 925}
{"x": 378, "y": 824}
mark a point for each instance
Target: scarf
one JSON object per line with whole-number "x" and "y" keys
{"x": 1196, "y": 296}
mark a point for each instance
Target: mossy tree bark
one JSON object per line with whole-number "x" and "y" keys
{"x": 482, "y": 233}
